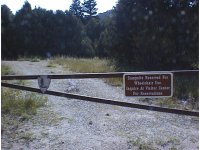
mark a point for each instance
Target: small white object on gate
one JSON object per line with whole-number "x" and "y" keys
{"x": 44, "y": 82}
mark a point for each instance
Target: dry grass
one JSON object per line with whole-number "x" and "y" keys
{"x": 169, "y": 102}
{"x": 6, "y": 70}
{"x": 89, "y": 65}
{"x": 16, "y": 103}
{"x": 31, "y": 59}
{"x": 83, "y": 65}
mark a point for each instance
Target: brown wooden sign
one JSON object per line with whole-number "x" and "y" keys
{"x": 148, "y": 85}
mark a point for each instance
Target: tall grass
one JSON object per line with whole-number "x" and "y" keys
{"x": 83, "y": 65}
{"x": 89, "y": 65}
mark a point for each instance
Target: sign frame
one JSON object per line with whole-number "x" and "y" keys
{"x": 149, "y": 73}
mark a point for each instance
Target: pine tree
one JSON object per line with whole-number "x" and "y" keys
{"x": 7, "y": 49}
{"x": 23, "y": 29}
{"x": 89, "y": 8}
{"x": 163, "y": 33}
{"x": 76, "y": 8}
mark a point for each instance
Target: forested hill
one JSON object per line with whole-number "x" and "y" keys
{"x": 106, "y": 14}
{"x": 137, "y": 34}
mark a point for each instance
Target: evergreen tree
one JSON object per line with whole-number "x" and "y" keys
{"x": 155, "y": 35}
{"x": 23, "y": 29}
{"x": 89, "y": 8}
{"x": 6, "y": 34}
{"x": 76, "y": 8}
{"x": 41, "y": 32}
{"x": 38, "y": 31}
{"x": 93, "y": 29}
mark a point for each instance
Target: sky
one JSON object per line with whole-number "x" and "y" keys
{"x": 15, "y": 5}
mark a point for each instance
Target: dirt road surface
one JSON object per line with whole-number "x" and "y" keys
{"x": 69, "y": 124}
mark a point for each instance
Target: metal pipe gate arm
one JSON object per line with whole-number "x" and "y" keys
{"x": 104, "y": 101}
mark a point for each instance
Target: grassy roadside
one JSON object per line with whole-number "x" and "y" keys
{"x": 31, "y": 59}
{"x": 17, "y": 106}
{"x": 6, "y": 70}
{"x": 89, "y": 65}
{"x": 83, "y": 65}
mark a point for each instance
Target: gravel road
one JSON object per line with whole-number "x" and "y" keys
{"x": 69, "y": 124}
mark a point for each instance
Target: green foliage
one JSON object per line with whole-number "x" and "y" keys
{"x": 6, "y": 31}
{"x": 93, "y": 29}
{"x": 87, "y": 48}
{"x": 6, "y": 16}
{"x": 76, "y": 9}
{"x": 36, "y": 32}
{"x": 89, "y": 8}
{"x": 107, "y": 35}
{"x": 22, "y": 27}
{"x": 155, "y": 35}
{"x": 105, "y": 43}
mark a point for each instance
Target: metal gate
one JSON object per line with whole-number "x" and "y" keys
{"x": 96, "y": 99}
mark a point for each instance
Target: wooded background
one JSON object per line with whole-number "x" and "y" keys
{"x": 137, "y": 34}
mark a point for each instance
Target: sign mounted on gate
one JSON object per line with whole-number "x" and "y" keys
{"x": 43, "y": 82}
{"x": 148, "y": 85}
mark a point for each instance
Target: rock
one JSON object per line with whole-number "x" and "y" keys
{"x": 90, "y": 123}
{"x": 107, "y": 114}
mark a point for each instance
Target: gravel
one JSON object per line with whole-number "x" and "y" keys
{"x": 76, "y": 125}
